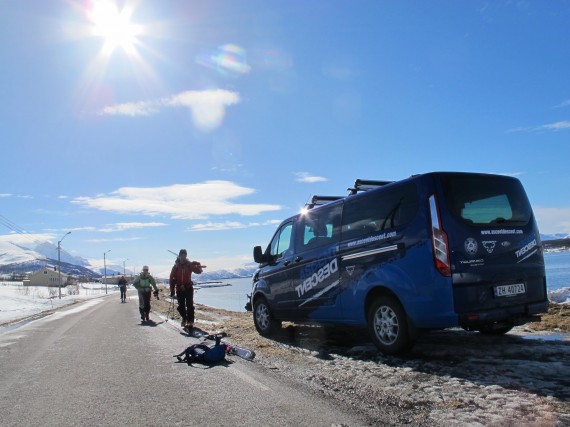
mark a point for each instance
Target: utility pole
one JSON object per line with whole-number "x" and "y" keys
{"x": 105, "y": 264}
{"x": 59, "y": 262}
{"x": 124, "y": 266}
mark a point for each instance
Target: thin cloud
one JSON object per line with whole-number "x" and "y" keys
{"x": 514, "y": 174}
{"x": 553, "y": 220}
{"x": 122, "y": 226}
{"x": 230, "y": 225}
{"x": 179, "y": 201}
{"x": 563, "y": 104}
{"x": 18, "y": 196}
{"x": 208, "y": 107}
{"x": 554, "y": 127}
{"x": 25, "y": 238}
{"x": 118, "y": 239}
{"x": 307, "y": 177}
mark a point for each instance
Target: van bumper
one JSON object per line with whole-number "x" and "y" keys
{"x": 516, "y": 315}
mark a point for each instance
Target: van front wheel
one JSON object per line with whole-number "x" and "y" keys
{"x": 388, "y": 326}
{"x": 263, "y": 319}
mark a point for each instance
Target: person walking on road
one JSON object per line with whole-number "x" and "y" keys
{"x": 181, "y": 286}
{"x": 143, "y": 284}
{"x": 123, "y": 288}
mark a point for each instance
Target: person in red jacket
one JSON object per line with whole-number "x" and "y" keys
{"x": 181, "y": 282}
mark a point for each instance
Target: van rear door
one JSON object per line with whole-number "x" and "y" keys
{"x": 496, "y": 258}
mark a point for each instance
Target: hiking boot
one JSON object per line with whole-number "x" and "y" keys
{"x": 189, "y": 325}
{"x": 183, "y": 324}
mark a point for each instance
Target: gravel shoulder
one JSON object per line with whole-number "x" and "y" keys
{"x": 451, "y": 377}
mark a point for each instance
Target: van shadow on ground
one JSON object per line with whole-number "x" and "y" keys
{"x": 540, "y": 366}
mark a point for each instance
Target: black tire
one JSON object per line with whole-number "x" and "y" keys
{"x": 490, "y": 330}
{"x": 388, "y": 326}
{"x": 263, "y": 319}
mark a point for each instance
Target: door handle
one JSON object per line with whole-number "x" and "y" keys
{"x": 297, "y": 259}
{"x": 286, "y": 263}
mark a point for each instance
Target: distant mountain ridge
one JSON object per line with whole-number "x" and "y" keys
{"x": 237, "y": 273}
{"x": 19, "y": 258}
{"x": 26, "y": 258}
{"x": 558, "y": 245}
{"x": 22, "y": 258}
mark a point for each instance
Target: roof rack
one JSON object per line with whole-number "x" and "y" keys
{"x": 321, "y": 200}
{"x": 365, "y": 185}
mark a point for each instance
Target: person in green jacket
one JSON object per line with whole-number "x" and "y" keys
{"x": 143, "y": 284}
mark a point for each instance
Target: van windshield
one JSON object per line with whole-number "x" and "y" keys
{"x": 487, "y": 200}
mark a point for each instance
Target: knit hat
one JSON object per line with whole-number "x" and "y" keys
{"x": 182, "y": 251}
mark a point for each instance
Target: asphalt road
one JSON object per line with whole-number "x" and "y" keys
{"x": 95, "y": 364}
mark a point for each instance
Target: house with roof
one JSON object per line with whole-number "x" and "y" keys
{"x": 47, "y": 277}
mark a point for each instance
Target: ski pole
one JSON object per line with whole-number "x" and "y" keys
{"x": 170, "y": 308}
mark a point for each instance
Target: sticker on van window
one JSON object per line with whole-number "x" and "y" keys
{"x": 489, "y": 245}
{"x": 470, "y": 246}
{"x": 372, "y": 239}
{"x": 501, "y": 231}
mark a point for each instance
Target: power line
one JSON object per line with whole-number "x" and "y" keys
{"x": 12, "y": 226}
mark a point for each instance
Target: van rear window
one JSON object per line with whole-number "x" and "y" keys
{"x": 487, "y": 200}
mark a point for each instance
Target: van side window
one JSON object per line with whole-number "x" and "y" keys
{"x": 379, "y": 210}
{"x": 281, "y": 241}
{"x": 319, "y": 227}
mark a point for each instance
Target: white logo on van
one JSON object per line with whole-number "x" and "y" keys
{"x": 489, "y": 245}
{"x": 525, "y": 248}
{"x": 316, "y": 278}
{"x": 350, "y": 269}
{"x": 471, "y": 246}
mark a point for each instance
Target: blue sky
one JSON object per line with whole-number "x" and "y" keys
{"x": 147, "y": 126}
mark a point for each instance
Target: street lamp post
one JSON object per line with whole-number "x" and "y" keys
{"x": 105, "y": 264}
{"x": 59, "y": 262}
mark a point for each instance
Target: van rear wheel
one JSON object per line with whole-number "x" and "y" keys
{"x": 388, "y": 326}
{"x": 263, "y": 319}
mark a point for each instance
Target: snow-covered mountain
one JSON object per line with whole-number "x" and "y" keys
{"x": 24, "y": 257}
{"x": 13, "y": 252}
{"x": 245, "y": 270}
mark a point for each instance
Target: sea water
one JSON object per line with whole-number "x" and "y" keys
{"x": 234, "y": 297}
{"x": 557, "y": 270}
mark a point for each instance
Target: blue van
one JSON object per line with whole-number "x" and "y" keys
{"x": 432, "y": 251}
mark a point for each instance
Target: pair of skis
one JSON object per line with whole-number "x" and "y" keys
{"x": 231, "y": 349}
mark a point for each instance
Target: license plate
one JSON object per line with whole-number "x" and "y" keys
{"x": 509, "y": 290}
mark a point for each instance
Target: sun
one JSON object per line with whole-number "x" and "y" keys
{"x": 114, "y": 26}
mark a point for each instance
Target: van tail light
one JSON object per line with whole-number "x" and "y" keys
{"x": 439, "y": 240}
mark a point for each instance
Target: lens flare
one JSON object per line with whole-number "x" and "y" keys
{"x": 228, "y": 59}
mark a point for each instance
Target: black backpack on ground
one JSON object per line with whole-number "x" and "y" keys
{"x": 202, "y": 353}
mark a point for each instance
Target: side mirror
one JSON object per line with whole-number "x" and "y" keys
{"x": 258, "y": 255}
